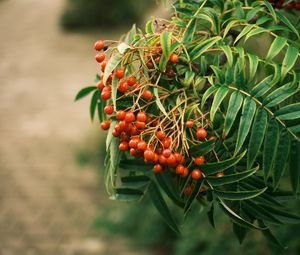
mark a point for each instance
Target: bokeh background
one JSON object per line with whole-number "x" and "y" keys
{"x": 52, "y": 199}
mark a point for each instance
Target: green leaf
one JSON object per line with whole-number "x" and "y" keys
{"x": 232, "y": 178}
{"x": 149, "y": 28}
{"x": 289, "y": 112}
{"x": 190, "y": 30}
{"x": 283, "y": 215}
{"x": 271, "y": 10}
{"x": 235, "y": 103}
{"x": 294, "y": 166}
{"x": 248, "y": 112}
{"x": 127, "y": 195}
{"x": 134, "y": 165}
{"x": 263, "y": 87}
{"x": 201, "y": 47}
{"x": 239, "y": 195}
{"x": 281, "y": 158}
{"x": 166, "y": 42}
{"x": 202, "y": 149}
{"x": 245, "y": 30}
{"x": 210, "y": 215}
{"x": 165, "y": 181}
{"x": 289, "y": 60}
{"x": 255, "y": 31}
{"x": 193, "y": 196}
{"x": 228, "y": 53}
{"x": 207, "y": 94}
{"x": 94, "y": 102}
{"x": 235, "y": 217}
{"x": 286, "y": 21}
{"x": 257, "y": 135}
{"x": 84, "y": 92}
{"x": 218, "y": 98}
{"x": 213, "y": 168}
{"x": 270, "y": 145}
{"x": 109, "y": 136}
{"x": 253, "y": 64}
{"x": 162, "y": 207}
{"x": 269, "y": 236}
{"x": 276, "y": 46}
{"x": 158, "y": 102}
{"x": 229, "y": 26}
{"x": 135, "y": 181}
{"x": 113, "y": 62}
{"x": 239, "y": 231}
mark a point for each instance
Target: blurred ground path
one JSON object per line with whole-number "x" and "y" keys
{"x": 47, "y": 204}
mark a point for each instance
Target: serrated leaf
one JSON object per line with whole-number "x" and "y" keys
{"x": 270, "y": 145}
{"x": 248, "y": 112}
{"x": 294, "y": 166}
{"x": 253, "y": 64}
{"x": 202, "y": 149}
{"x": 113, "y": 62}
{"x": 276, "y": 46}
{"x": 235, "y": 103}
{"x": 207, "y": 94}
{"x": 231, "y": 178}
{"x": 218, "y": 98}
{"x": 84, "y": 92}
{"x": 201, "y": 47}
{"x": 127, "y": 195}
{"x": 162, "y": 207}
{"x": 281, "y": 158}
{"x": 190, "y": 30}
{"x": 257, "y": 135}
{"x": 227, "y": 50}
{"x": 239, "y": 195}
{"x": 213, "y": 168}
{"x": 94, "y": 102}
{"x": 235, "y": 217}
{"x": 289, "y": 60}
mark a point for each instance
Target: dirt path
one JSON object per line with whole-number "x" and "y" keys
{"x": 47, "y": 203}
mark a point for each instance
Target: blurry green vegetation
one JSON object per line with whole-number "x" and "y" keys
{"x": 105, "y": 14}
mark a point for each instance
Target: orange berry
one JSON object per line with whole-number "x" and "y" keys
{"x": 129, "y": 117}
{"x": 220, "y": 174}
{"x": 105, "y": 124}
{"x": 141, "y": 116}
{"x": 149, "y": 155}
{"x": 157, "y": 168}
{"x": 196, "y": 174}
{"x": 147, "y": 94}
{"x": 174, "y": 58}
{"x": 142, "y": 145}
{"x": 201, "y": 133}
{"x": 100, "y": 57}
{"x": 179, "y": 169}
{"x": 185, "y": 172}
{"x": 199, "y": 160}
{"x": 189, "y": 124}
{"x": 120, "y": 115}
{"x": 109, "y": 109}
{"x": 99, "y": 45}
{"x": 123, "y": 146}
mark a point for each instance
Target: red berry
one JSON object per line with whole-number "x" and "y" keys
{"x": 132, "y": 152}
{"x": 109, "y": 109}
{"x": 129, "y": 117}
{"x": 105, "y": 124}
{"x": 119, "y": 73}
{"x": 201, "y": 133}
{"x": 220, "y": 174}
{"x": 179, "y": 169}
{"x": 100, "y": 85}
{"x": 157, "y": 168}
{"x": 142, "y": 145}
{"x": 100, "y": 57}
{"x": 141, "y": 116}
{"x": 131, "y": 80}
{"x": 105, "y": 95}
{"x": 150, "y": 65}
{"x": 196, "y": 174}
{"x": 147, "y": 94}
{"x": 123, "y": 146}
{"x": 115, "y": 133}
{"x": 140, "y": 125}
{"x": 189, "y": 124}
{"x": 167, "y": 153}
{"x": 185, "y": 172}
{"x": 133, "y": 143}
{"x": 174, "y": 58}
{"x": 178, "y": 157}
{"x": 103, "y": 65}
{"x": 160, "y": 135}
{"x": 99, "y": 45}
{"x": 166, "y": 142}
{"x": 120, "y": 115}
{"x": 149, "y": 155}
{"x": 188, "y": 191}
{"x": 157, "y": 59}
{"x": 162, "y": 159}
{"x": 135, "y": 86}
{"x": 123, "y": 86}
{"x": 199, "y": 160}
{"x": 171, "y": 160}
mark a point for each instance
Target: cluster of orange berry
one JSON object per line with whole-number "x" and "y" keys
{"x": 279, "y": 4}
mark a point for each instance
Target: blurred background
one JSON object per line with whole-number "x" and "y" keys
{"x": 52, "y": 199}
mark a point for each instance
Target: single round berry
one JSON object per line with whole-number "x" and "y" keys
{"x": 166, "y": 142}
{"x": 157, "y": 168}
{"x": 103, "y": 65}
{"x": 160, "y": 135}
{"x": 201, "y": 133}
{"x": 133, "y": 143}
{"x": 99, "y": 45}
{"x": 196, "y": 174}
{"x": 149, "y": 155}
{"x": 132, "y": 152}
{"x": 105, "y": 124}
{"x": 178, "y": 157}
{"x": 141, "y": 116}
{"x": 167, "y": 153}
{"x": 179, "y": 169}
{"x": 174, "y": 58}
{"x": 199, "y": 160}
{"x": 129, "y": 117}
{"x": 131, "y": 80}
{"x": 119, "y": 73}
{"x": 109, "y": 109}
{"x": 105, "y": 95}
{"x": 140, "y": 125}
{"x": 100, "y": 57}
{"x": 123, "y": 86}
{"x": 157, "y": 60}
{"x": 120, "y": 115}
{"x": 188, "y": 191}
{"x": 220, "y": 174}
{"x": 162, "y": 159}
{"x": 171, "y": 160}
{"x": 142, "y": 145}
{"x": 100, "y": 85}
{"x": 115, "y": 133}
{"x": 185, "y": 173}
{"x": 123, "y": 146}
{"x": 189, "y": 124}
{"x": 147, "y": 94}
